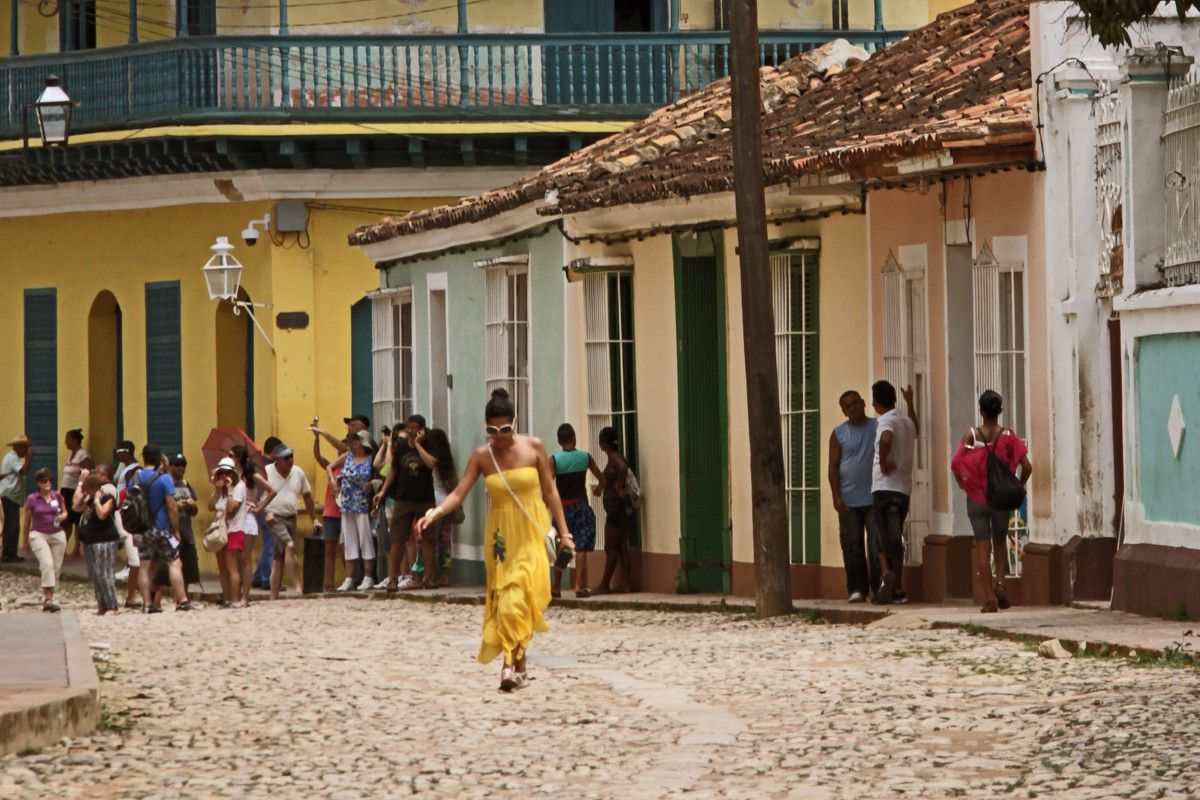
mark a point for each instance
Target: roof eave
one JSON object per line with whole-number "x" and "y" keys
{"x": 514, "y": 222}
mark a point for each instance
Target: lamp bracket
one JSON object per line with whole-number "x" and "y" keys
{"x": 240, "y": 305}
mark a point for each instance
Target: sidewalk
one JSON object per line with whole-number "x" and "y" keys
{"x": 48, "y": 685}
{"x": 1100, "y": 629}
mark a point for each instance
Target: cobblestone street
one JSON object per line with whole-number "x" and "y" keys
{"x": 345, "y": 699}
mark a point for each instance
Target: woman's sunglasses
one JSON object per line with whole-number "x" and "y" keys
{"x": 492, "y": 430}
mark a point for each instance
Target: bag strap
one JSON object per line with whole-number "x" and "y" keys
{"x": 158, "y": 473}
{"x": 516, "y": 499}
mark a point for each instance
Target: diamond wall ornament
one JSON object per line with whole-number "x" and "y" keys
{"x": 1175, "y": 426}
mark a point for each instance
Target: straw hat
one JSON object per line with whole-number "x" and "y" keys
{"x": 22, "y": 439}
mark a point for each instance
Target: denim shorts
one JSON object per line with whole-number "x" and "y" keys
{"x": 987, "y": 523}
{"x": 331, "y": 529}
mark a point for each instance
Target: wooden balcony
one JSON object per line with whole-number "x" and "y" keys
{"x": 363, "y": 78}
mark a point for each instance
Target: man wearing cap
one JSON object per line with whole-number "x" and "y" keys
{"x": 290, "y": 485}
{"x": 359, "y": 422}
{"x": 160, "y": 544}
{"x": 13, "y": 468}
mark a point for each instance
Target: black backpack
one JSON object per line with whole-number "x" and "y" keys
{"x": 136, "y": 514}
{"x": 1004, "y": 491}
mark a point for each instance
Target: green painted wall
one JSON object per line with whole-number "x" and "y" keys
{"x": 1166, "y": 368}
{"x": 465, "y": 298}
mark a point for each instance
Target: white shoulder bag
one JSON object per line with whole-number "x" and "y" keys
{"x": 550, "y": 538}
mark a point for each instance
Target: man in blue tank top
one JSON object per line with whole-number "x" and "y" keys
{"x": 851, "y": 452}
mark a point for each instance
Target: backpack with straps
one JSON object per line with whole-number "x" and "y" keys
{"x": 1004, "y": 491}
{"x": 136, "y": 514}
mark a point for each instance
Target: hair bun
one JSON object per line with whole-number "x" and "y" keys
{"x": 500, "y": 393}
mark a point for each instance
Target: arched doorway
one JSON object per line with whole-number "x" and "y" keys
{"x": 106, "y": 411}
{"x": 235, "y": 367}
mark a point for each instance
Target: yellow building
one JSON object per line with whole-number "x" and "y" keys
{"x": 200, "y": 118}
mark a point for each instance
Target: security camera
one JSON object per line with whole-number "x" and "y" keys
{"x": 251, "y": 234}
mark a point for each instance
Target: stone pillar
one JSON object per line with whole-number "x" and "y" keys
{"x": 1146, "y": 75}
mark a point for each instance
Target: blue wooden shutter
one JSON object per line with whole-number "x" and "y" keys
{"x": 164, "y": 382}
{"x": 41, "y": 378}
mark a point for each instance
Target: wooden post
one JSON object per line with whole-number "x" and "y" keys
{"x": 13, "y": 21}
{"x": 283, "y": 20}
{"x": 772, "y": 571}
{"x": 133, "y": 22}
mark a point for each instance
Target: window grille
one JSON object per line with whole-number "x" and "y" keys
{"x": 507, "y": 334}
{"x": 392, "y": 356}
{"x": 794, "y": 296}
{"x": 999, "y": 299}
{"x": 1110, "y": 182}
{"x": 608, "y": 343}
{"x": 1181, "y": 140}
{"x": 906, "y": 363}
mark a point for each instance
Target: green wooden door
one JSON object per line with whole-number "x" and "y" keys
{"x": 704, "y": 549}
{"x": 361, "y": 380}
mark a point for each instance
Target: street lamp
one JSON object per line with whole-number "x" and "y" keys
{"x": 223, "y": 277}
{"x": 53, "y": 108}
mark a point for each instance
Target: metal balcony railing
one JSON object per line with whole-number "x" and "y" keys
{"x": 249, "y": 79}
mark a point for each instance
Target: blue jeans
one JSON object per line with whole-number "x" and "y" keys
{"x": 262, "y": 572}
{"x": 861, "y": 565}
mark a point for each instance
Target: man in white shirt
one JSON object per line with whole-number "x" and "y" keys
{"x": 13, "y": 468}
{"x": 290, "y": 485}
{"x": 891, "y": 485}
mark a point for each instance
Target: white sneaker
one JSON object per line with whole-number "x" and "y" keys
{"x": 367, "y": 583}
{"x": 347, "y": 585}
{"x": 858, "y": 597}
{"x": 406, "y": 582}
{"x": 383, "y": 585}
{"x": 122, "y": 576}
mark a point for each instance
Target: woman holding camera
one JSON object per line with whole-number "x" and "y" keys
{"x": 516, "y": 470}
{"x": 228, "y": 501}
{"x": 98, "y": 532}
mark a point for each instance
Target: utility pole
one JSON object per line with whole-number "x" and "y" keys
{"x": 772, "y": 570}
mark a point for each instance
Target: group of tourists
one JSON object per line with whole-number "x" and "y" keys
{"x": 871, "y": 477}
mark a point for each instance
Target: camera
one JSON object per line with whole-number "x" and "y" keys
{"x": 386, "y": 431}
{"x": 251, "y": 234}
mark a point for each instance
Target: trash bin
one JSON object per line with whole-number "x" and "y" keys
{"x": 312, "y": 566}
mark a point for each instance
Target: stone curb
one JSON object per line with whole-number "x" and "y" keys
{"x": 34, "y": 718}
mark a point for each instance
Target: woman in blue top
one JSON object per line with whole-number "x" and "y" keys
{"x": 570, "y": 468}
{"x": 356, "y": 507}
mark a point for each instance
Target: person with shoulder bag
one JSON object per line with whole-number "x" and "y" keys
{"x": 985, "y": 468}
{"x": 98, "y": 532}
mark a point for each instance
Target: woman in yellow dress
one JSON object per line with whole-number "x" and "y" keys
{"x": 516, "y": 470}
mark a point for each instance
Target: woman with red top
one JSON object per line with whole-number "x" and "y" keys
{"x": 970, "y": 470}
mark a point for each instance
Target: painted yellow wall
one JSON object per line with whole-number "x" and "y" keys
{"x": 658, "y": 391}
{"x": 86, "y": 254}
{"x": 38, "y": 34}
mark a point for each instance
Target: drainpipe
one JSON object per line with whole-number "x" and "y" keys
{"x": 462, "y": 16}
{"x": 878, "y": 15}
{"x": 132, "y": 21}
{"x": 12, "y": 29}
{"x": 283, "y": 25}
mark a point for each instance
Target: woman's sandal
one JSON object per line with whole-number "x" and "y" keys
{"x": 556, "y": 594}
{"x": 988, "y": 608}
{"x": 508, "y": 679}
{"x": 1002, "y": 596}
{"x": 582, "y": 593}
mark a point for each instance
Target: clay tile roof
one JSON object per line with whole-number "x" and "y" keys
{"x": 697, "y": 117}
{"x": 961, "y": 81}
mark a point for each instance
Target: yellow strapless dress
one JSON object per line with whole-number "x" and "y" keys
{"x": 518, "y": 572}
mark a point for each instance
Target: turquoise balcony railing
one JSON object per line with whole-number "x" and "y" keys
{"x": 250, "y": 79}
